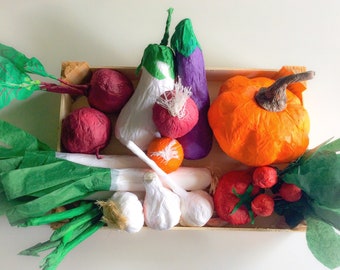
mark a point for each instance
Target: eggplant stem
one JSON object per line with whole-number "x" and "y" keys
{"x": 165, "y": 38}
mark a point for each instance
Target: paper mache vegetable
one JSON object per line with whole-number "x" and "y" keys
{"x": 191, "y": 72}
{"x": 107, "y": 91}
{"x": 232, "y": 197}
{"x": 196, "y": 206}
{"x": 85, "y": 130}
{"x": 174, "y": 112}
{"x": 258, "y": 121}
{"x": 123, "y": 211}
{"x": 135, "y": 122}
{"x": 167, "y": 153}
{"x": 161, "y": 206}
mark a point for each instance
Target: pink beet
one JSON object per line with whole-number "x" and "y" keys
{"x": 85, "y": 130}
{"x": 175, "y": 113}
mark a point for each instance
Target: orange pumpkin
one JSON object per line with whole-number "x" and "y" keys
{"x": 258, "y": 121}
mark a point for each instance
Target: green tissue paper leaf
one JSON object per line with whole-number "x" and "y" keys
{"x": 14, "y": 142}
{"x": 324, "y": 242}
{"x": 14, "y": 84}
{"x": 329, "y": 215}
{"x": 23, "y": 63}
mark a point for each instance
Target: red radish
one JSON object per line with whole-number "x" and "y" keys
{"x": 290, "y": 192}
{"x": 85, "y": 130}
{"x": 265, "y": 177}
{"x": 109, "y": 90}
{"x": 262, "y": 205}
{"x": 174, "y": 112}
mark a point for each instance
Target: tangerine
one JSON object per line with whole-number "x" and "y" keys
{"x": 167, "y": 153}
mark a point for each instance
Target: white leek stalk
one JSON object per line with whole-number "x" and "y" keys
{"x": 189, "y": 178}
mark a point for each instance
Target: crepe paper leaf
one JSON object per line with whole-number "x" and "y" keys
{"x": 324, "y": 242}
{"x": 20, "y": 61}
{"x": 52, "y": 172}
{"x": 59, "y": 216}
{"x": 57, "y": 255}
{"x": 318, "y": 175}
{"x": 14, "y": 83}
{"x": 40, "y": 247}
{"x": 93, "y": 215}
{"x": 15, "y": 142}
{"x": 9, "y": 164}
{"x": 329, "y": 215}
{"x": 5, "y": 205}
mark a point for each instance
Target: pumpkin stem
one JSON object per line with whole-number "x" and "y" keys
{"x": 274, "y": 98}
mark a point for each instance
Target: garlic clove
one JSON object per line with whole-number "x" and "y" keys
{"x": 161, "y": 205}
{"x": 197, "y": 208}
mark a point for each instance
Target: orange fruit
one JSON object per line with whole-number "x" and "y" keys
{"x": 167, "y": 153}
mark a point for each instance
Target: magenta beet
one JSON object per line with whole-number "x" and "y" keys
{"x": 85, "y": 130}
{"x": 109, "y": 90}
{"x": 175, "y": 113}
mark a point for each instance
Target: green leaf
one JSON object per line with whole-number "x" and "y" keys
{"x": 23, "y": 63}
{"x": 329, "y": 215}
{"x": 324, "y": 242}
{"x": 15, "y": 142}
{"x": 14, "y": 83}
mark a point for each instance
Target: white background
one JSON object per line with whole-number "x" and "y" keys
{"x": 233, "y": 33}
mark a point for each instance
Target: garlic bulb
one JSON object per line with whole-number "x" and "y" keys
{"x": 161, "y": 205}
{"x": 196, "y": 209}
{"x": 196, "y": 206}
{"x": 123, "y": 211}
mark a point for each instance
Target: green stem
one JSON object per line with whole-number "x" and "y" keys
{"x": 57, "y": 255}
{"x": 165, "y": 38}
{"x": 74, "y": 223}
{"x": 55, "y": 217}
{"x": 40, "y": 247}
{"x": 274, "y": 97}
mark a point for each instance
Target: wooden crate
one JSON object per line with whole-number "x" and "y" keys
{"x": 217, "y": 161}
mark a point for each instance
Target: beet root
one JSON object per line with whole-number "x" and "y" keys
{"x": 109, "y": 90}
{"x": 174, "y": 122}
{"x": 85, "y": 130}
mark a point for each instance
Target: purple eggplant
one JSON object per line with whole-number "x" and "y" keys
{"x": 190, "y": 70}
